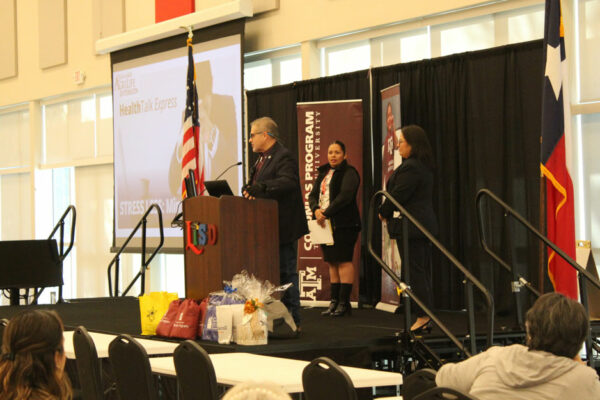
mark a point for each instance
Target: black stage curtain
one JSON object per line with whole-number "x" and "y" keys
{"x": 482, "y": 112}
{"x": 280, "y": 104}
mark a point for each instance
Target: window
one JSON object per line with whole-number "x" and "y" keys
{"x": 104, "y": 126}
{"x": 14, "y": 139}
{"x": 290, "y": 69}
{"x": 470, "y": 35}
{"x": 273, "y": 71}
{"x": 77, "y": 129}
{"x": 77, "y": 170}
{"x": 590, "y": 138}
{"x": 589, "y": 49}
{"x": 403, "y": 47}
{"x": 345, "y": 58}
{"x": 258, "y": 75}
{"x": 15, "y": 200}
{"x": 415, "y": 47}
{"x": 524, "y": 25}
{"x": 168, "y": 274}
{"x": 69, "y": 131}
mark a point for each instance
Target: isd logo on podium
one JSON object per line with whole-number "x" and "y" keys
{"x": 200, "y": 235}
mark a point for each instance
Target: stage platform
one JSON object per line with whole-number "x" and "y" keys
{"x": 359, "y": 340}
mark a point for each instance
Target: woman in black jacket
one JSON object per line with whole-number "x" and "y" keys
{"x": 333, "y": 197}
{"x": 411, "y": 185}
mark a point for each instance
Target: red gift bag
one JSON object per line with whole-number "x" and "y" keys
{"x": 185, "y": 325}
{"x": 166, "y": 323}
{"x": 202, "y": 316}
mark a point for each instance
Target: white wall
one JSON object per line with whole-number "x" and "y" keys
{"x": 294, "y": 22}
{"x": 35, "y": 83}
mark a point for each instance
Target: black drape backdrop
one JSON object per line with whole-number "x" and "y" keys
{"x": 482, "y": 112}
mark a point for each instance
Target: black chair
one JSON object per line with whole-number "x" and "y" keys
{"x": 323, "y": 379}
{"x": 3, "y": 324}
{"x": 195, "y": 372}
{"x": 418, "y": 382}
{"x": 443, "y": 393}
{"x": 89, "y": 367}
{"x": 132, "y": 370}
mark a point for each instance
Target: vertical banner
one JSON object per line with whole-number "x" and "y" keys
{"x": 390, "y": 160}
{"x": 319, "y": 124}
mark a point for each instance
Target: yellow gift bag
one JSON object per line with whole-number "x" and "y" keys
{"x": 153, "y": 306}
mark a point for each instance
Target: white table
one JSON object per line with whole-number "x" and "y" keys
{"x": 102, "y": 340}
{"x": 234, "y": 368}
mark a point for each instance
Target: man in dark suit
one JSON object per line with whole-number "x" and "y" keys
{"x": 275, "y": 176}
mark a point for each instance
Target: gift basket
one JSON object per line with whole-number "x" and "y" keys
{"x": 218, "y": 322}
{"x": 238, "y": 312}
{"x": 253, "y": 329}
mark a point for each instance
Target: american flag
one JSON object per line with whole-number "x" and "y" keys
{"x": 191, "y": 129}
{"x": 555, "y": 154}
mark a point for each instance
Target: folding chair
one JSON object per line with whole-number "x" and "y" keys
{"x": 89, "y": 366}
{"x": 195, "y": 372}
{"x": 132, "y": 369}
{"x": 443, "y": 393}
{"x": 418, "y": 382}
{"x": 323, "y": 379}
{"x": 3, "y": 324}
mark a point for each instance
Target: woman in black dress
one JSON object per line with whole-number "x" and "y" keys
{"x": 411, "y": 185}
{"x": 333, "y": 197}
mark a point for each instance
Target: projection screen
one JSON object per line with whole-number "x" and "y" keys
{"x": 149, "y": 97}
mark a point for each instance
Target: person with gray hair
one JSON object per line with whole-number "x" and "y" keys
{"x": 548, "y": 367}
{"x": 256, "y": 391}
{"x": 275, "y": 176}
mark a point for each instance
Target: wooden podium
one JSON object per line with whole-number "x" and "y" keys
{"x": 247, "y": 237}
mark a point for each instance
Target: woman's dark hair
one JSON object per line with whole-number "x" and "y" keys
{"x": 416, "y": 137}
{"x": 556, "y": 324}
{"x": 28, "y": 363}
{"x": 339, "y": 143}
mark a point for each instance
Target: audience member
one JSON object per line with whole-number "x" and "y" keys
{"x": 548, "y": 367}
{"x": 256, "y": 391}
{"x": 33, "y": 358}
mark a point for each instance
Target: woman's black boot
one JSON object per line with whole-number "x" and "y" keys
{"x": 344, "y": 306}
{"x": 335, "y": 296}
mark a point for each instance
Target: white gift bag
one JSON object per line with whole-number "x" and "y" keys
{"x": 254, "y": 329}
{"x": 224, "y": 323}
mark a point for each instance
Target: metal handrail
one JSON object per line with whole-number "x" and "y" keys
{"x": 523, "y": 221}
{"x": 145, "y": 263}
{"x": 61, "y": 225}
{"x": 62, "y": 254}
{"x": 471, "y": 280}
{"x": 583, "y": 273}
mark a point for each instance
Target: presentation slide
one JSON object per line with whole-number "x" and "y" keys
{"x": 149, "y": 97}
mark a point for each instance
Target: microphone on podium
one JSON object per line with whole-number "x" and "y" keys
{"x": 221, "y": 174}
{"x": 227, "y": 169}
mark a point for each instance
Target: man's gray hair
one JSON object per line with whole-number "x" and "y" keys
{"x": 267, "y": 124}
{"x": 556, "y": 324}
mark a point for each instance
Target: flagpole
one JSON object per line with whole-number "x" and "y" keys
{"x": 189, "y": 31}
{"x": 542, "y": 248}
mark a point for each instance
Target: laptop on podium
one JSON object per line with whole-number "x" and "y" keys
{"x": 218, "y": 188}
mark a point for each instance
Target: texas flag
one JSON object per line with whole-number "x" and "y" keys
{"x": 556, "y": 154}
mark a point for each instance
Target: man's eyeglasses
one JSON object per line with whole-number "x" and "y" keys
{"x": 254, "y": 134}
